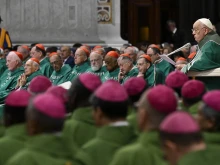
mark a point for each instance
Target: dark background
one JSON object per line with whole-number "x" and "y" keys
{"x": 154, "y": 14}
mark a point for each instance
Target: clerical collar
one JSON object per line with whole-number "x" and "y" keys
{"x": 119, "y": 123}
{"x": 174, "y": 31}
{"x": 160, "y": 60}
{"x": 66, "y": 59}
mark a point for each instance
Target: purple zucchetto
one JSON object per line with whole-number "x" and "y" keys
{"x": 39, "y": 84}
{"x": 49, "y": 105}
{"x": 162, "y": 99}
{"x": 212, "y": 99}
{"x": 192, "y": 89}
{"x": 176, "y": 79}
{"x": 59, "y": 92}
{"x": 179, "y": 122}
{"x": 135, "y": 85}
{"x": 90, "y": 81}
{"x": 111, "y": 91}
{"x": 18, "y": 98}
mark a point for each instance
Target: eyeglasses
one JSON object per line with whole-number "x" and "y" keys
{"x": 197, "y": 30}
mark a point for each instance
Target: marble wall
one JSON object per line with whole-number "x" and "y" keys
{"x": 51, "y": 21}
{"x": 109, "y": 29}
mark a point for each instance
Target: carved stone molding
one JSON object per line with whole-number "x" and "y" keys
{"x": 104, "y": 10}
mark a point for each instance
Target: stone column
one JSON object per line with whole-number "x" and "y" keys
{"x": 109, "y": 22}
{"x": 51, "y": 22}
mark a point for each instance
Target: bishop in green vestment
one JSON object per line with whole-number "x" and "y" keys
{"x": 31, "y": 70}
{"x": 14, "y": 121}
{"x": 96, "y": 67}
{"x": 182, "y": 141}
{"x": 149, "y": 72}
{"x": 207, "y": 56}
{"x": 45, "y": 144}
{"x": 191, "y": 98}
{"x": 10, "y": 76}
{"x": 208, "y": 118}
{"x": 111, "y": 66}
{"x": 164, "y": 66}
{"x": 114, "y": 132}
{"x": 135, "y": 87}
{"x": 38, "y": 52}
{"x": 151, "y": 112}
{"x": 61, "y": 71}
{"x": 127, "y": 69}
{"x": 81, "y": 63}
{"x": 81, "y": 120}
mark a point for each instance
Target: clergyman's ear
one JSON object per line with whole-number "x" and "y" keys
{"x": 142, "y": 118}
{"x": 98, "y": 116}
{"x": 170, "y": 145}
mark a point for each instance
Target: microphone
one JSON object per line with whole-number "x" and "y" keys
{"x": 188, "y": 45}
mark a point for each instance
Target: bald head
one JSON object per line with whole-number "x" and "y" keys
{"x": 31, "y": 67}
{"x": 13, "y": 61}
{"x": 80, "y": 56}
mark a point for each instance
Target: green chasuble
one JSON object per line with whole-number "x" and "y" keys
{"x": 132, "y": 119}
{"x": 24, "y": 62}
{"x": 8, "y": 82}
{"x": 61, "y": 76}
{"x": 146, "y": 151}
{"x": 206, "y": 58}
{"x": 132, "y": 73}
{"x": 193, "y": 109}
{"x": 2, "y": 129}
{"x": 165, "y": 67}
{"x": 3, "y": 66}
{"x": 13, "y": 141}
{"x": 99, "y": 72}
{"x": 46, "y": 149}
{"x": 212, "y": 139}
{"x": 113, "y": 75}
{"x": 77, "y": 70}
{"x": 3, "y": 75}
{"x": 101, "y": 149}
{"x": 45, "y": 67}
{"x": 209, "y": 156}
{"x": 80, "y": 128}
{"x": 154, "y": 76}
{"x": 29, "y": 78}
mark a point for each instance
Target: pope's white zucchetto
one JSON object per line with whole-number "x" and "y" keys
{"x": 206, "y": 22}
